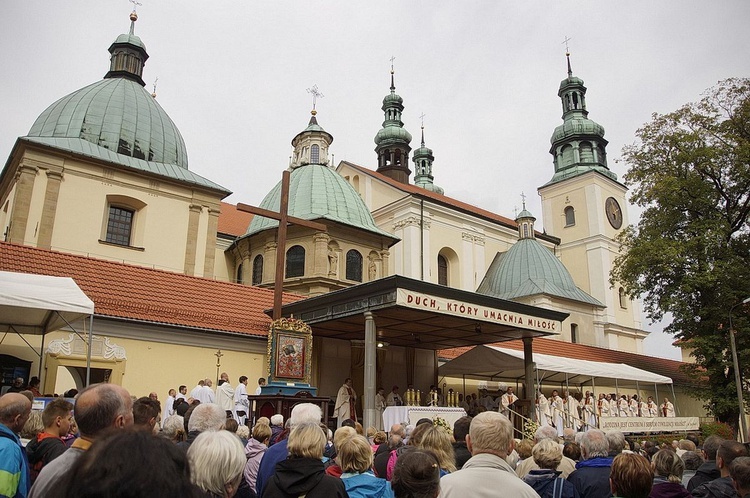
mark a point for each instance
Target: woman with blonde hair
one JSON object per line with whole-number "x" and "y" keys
{"x": 668, "y": 468}
{"x": 437, "y": 441}
{"x": 303, "y": 473}
{"x": 355, "y": 458}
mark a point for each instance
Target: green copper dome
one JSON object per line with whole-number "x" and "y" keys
{"x": 318, "y": 192}
{"x": 527, "y": 269}
{"x": 392, "y": 133}
{"x": 130, "y": 39}
{"x": 117, "y": 114}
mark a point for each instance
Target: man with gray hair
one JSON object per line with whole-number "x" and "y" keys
{"x": 98, "y": 408}
{"x": 486, "y": 473}
{"x": 708, "y": 471}
{"x": 15, "y": 410}
{"x": 566, "y": 466}
{"x": 203, "y": 418}
{"x": 301, "y": 413}
{"x": 591, "y": 477}
{"x": 616, "y": 441}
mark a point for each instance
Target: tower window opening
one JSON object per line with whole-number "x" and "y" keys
{"x": 239, "y": 274}
{"x": 576, "y": 104}
{"x": 525, "y": 230}
{"x": 315, "y": 154}
{"x": 623, "y": 298}
{"x": 574, "y": 333}
{"x": 570, "y": 216}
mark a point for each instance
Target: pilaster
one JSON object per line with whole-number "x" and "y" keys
{"x": 25, "y": 177}
{"x": 210, "y": 258}
{"x": 192, "y": 238}
{"x": 49, "y": 208}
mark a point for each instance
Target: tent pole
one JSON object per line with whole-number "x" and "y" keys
{"x": 567, "y": 399}
{"x": 594, "y": 400}
{"x": 656, "y": 397}
{"x": 463, "y": 376}
{"x": 88, "y": 349}
{"x": 674, "y": 398}
{"x": 528, "y": 369}
{"x": 41, "y": 358}
{"x": 638, "y": 391}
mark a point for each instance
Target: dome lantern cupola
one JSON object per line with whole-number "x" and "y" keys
{"x": 525, "y": 222}
{"x": 578, "y": 145}
{"x": 128, "y": 55}
{"x": 423, "y": 168}
{"x": 392, "y": 142}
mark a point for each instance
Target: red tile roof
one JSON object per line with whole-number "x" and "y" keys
{"x": 661, "y": 366}
{"x": 444, "y": 199}
{"x": 233, "y": 221}
{"x": 143, "y": 294}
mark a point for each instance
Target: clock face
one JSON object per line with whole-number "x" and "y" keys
{"x": 614, "y": 213}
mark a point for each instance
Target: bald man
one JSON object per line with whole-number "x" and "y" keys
{"x": 14, "y": 468}
{"x": 98, "y": 408}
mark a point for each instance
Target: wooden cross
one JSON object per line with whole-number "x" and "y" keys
{"x": 284, "y": 219}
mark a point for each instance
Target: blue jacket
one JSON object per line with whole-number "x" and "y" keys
{"x": 543, "y": 482}
{"x": 366, "y": 485}
{"x": 591, "y": 477}
{"x": 14, "y": 468}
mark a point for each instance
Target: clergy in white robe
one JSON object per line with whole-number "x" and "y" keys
{"x": 572, "y": 418}
{"x": 195, "y": 393}
{"x": 667, "y": 408}
{"x": 652, "y": 407}
{"x": 168, "y": 406}
{"x": 225, "y": 397}
{"x": 623, "y": 407}
{"x": 542, "y": 410}
{"x": 635, "y": 406}
{"x": 345, "y": 399}
{"x": 614, "y": 411}
{"x": 206, "y": 393}
{"x": 241, "y": 402}
{"x": 557, "y": 409}
{"x": 603, "y": 405}
{"x": 507, "y": 402}
{"x": 380, "y": 407}
{"x": 394, "y": 398}
{"x": 589, "y": 411}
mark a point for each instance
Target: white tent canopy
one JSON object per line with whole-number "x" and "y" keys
{"x": 36, "y": 304}
{"x": 503, "y": 363}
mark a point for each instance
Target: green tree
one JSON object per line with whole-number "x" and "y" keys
{"x": 689, "y": 255}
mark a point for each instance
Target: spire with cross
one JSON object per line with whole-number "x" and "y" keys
{"x": 393, "y": 84}
{"x": 316, "y": 94}
{"x": 421, "y": 117}
{"x": 567, "y": 55}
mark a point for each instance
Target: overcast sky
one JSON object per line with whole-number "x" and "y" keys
{"x": 233, "y": 77}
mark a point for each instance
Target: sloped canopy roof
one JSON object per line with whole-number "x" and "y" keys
{"x": 35, "y": 304}
{"x": 497, "y": 362}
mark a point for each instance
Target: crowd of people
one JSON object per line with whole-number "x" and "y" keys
{"x": 109, "y": 443}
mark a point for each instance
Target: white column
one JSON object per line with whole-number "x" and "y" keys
{"x": 368, "y": 401}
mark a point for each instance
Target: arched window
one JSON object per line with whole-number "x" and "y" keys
{"x": 295, "y": 262}
{"x": 315, "y": 154}
{"x": 239, "y": 274}
{"x": 586, "y": 152}
{"x": 354, "y": 265}
{"x": 442, "y": 263}
{"x": 570, "y": 216}
{"x": 574, "y": 333}
{"x": 623, "y": 298}
{"x": 257, "y": 270}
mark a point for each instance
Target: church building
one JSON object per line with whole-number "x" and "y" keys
{"x": 102, "y": 175}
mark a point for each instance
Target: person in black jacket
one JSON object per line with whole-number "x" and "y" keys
{"x": 48, "y": 444}
{"x": 460, "y": 430}
{"x": 723, "y": 487}
{"x": 708, "y": 470}
{"x": 303, "y": 472}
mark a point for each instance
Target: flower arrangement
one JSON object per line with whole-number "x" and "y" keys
{"x": 443, "y": 424}
{"x": 529, "y": 429}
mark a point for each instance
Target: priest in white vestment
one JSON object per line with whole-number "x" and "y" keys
{"x": 557, "y": 409}
{"x": 380, "y": 407}
{"x": 345, "y": 399}
{"x": 623, "y": 407}
{"x": 572, "y": 418}
{"x": 542, "y": 410}
{"x": 589, "y": 411}
{"x": 241, "y": 402}
{"x": 652, "y": 407}
{"x": 667, "y": 408}
{"x": 603, "y": 405}
{"x": 507, "y": 402}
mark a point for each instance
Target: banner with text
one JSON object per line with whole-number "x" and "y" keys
{"x": 645, "y": 424}
{"x": 445, "y": 306}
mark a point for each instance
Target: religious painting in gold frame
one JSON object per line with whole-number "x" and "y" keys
{"x": 290, "y": 351}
